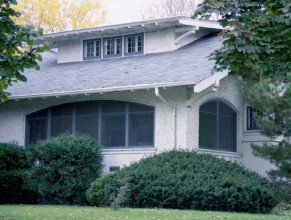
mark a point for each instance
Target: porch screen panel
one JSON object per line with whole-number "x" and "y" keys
{"x": 61, "y": 119}
{"x": 110, "y": 123}
{"x": 217, "y": 126}
{"x": 87, "y": 119}
{"x": 113, "y": 124}
{"x": 37, "y": 126}
{"x": 227, "y": 128}
{"x": 141, "y": 125}
{"x": 207, "y": 130}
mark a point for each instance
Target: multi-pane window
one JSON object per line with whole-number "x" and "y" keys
{"x": 251, "y": 114}
{"x": 217, "y": 126}
{"x": 112, "y": 46}
{"x": 92, "y": 49}
{"x": 111, "y": 123}
{"x": 133, "y": 44}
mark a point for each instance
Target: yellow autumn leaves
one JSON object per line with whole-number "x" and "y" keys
{"x": 60, "y": 15}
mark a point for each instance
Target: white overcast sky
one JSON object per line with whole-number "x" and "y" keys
{"x": 122, "y": 11}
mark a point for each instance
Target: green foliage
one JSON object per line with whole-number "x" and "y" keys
{"x": 256, "y": 41}
{"x": 256, "y": 47}
{"x": 63, "y": 168}
{"x": 13, "y": 162}
{"x": 96, "y": 193}
{"x": 17, "y": 51}
{"x": 187, "y": 180}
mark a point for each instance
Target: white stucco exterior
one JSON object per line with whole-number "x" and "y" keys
{"x": 176, "y": 122}
{"x": 154, "y": 42}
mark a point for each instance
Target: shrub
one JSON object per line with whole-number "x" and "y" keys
{"x": 13, "y": 162}
{"x": 187, "y": 180}
{"x": 96, "y": 193}
{"x": 63, "y": 168}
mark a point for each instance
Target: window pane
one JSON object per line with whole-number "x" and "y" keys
{"x": 139, "y": 108}
{"x": 61, "y": 125}
{"x": 87, "y": 125}
{"x": 227, "y": 133}
{"x": 86, "y": 108}
{"x": 207, "y": 130}
{"x": 210, "y": 107}
{"x": 37, "y": 129}
{"x": 226, "y": 110}
{"x": 39, "y": 114}
{"x": 62, "y": 110}
{"x": 141, "y": 129}
{"x": 113, "y": 130}
{"x": 113, "y": 107}
{"x": 112, "y": 46}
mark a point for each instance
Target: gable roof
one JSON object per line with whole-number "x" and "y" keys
{"x": 185, "y": 66}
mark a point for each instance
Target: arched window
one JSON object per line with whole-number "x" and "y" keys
{"x": 217, "y": 126}
{"x": 111, "y": 123}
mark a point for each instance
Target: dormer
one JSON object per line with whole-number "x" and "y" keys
{"x": 130, "y": 39}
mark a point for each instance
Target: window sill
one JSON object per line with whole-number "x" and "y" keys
{"x": 221, "y": 153}
{"x": 140, "y": 150}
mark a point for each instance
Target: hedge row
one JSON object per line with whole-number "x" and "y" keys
{"x": 186, "y": 180}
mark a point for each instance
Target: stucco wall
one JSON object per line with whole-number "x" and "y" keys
{"x": 70, "y": 51}
{"x": 154, "y": 42}
{"x": 176, "y": 122}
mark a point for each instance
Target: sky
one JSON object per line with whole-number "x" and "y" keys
{"x": 122, "y": 11}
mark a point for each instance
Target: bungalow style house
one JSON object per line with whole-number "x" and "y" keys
{"x": 138, "y": 88}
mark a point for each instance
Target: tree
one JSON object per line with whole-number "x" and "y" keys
{"x": 17, "y": 51}
{"x": 60, "y": 15}
{"x": 170, "y": 8}
{"x": 256, "y": 48}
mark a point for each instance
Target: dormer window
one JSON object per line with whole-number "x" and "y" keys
{"x": 112, "y": 47}
{"x": 92, "y": 49}
{"x": 133, "y": 44}
{"x": 116, "y": 46}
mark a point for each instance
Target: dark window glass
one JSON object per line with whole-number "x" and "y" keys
{"x": 140, "y": 108}
{"x": 217, "y": 126}
{"x": 37, "y": 129}
{"x": 62, "y": 110}
{"x": 251, "y": 122}
{"x": 39, "y": 114}
{"x": 112, "y": 123}
{"x": 113, "y": 107}
{"x": 87, "y": 119}
{"x": 61, "y": 119}
{"x": 61, "y": 125}
{"x": 207, "y": 136}
{"x": 113, "y": 130}
{"x": 141, "y": 129}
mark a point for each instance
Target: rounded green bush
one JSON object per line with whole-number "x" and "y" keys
{"x": 63, "y": 168}
{"x": 96, "y": 193}
{"x": 13, "y": 162}
{"x": 188, "y": 180}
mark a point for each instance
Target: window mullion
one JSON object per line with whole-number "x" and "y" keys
{"x": 74, "y": 120}
{"x": 49, "y": 120}
{"x": 99, "y": 123}
{"x": 217, "y": 125}
{"x": 126, "y": 124}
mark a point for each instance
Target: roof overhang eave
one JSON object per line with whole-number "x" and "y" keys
{"x": 129, "y": 27}
{"x": 102, "y": 90}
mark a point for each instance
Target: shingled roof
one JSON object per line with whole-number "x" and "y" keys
{"x": 185, "y": 66}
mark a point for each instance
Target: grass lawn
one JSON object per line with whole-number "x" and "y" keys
{"x": 41, "y": 212}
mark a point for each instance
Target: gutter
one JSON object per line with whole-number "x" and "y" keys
{"x": 102, "y": 90}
